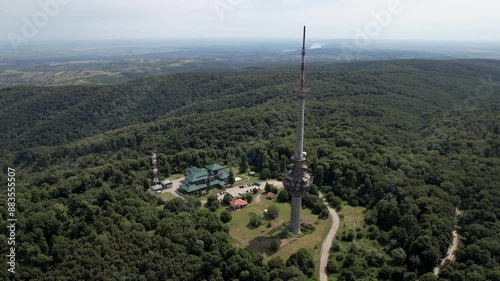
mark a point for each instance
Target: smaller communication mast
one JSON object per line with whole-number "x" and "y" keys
{"x": 156, "y": 179}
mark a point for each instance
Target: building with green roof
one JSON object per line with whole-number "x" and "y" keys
{"x": 194, "y": 174}
{"x": 196, "y": 178}
{"x": 217, "y": 172}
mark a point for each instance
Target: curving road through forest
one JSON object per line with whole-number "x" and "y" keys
{"x": 453, "y": 248}
{"x": 327, "y": 243}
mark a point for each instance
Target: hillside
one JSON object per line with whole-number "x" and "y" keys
{"x": 409, "y": 140}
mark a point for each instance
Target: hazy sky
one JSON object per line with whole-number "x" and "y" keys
{"x": 120, "y": 19}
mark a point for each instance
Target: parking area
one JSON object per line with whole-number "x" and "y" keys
{"x": 239, "y": 190}
{"x": 175, "y": 187}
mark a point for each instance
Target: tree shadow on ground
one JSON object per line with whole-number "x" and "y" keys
{"x": 267, "y": 245}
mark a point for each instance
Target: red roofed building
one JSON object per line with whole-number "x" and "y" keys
{"x": 270, "y": 195}
{"x": 238, "y": 203}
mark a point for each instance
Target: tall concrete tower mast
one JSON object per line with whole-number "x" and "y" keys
{"x": 297, "y": 180}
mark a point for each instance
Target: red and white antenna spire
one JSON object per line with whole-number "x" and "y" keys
{"x": 155, "y": 168}
{"x": 303, "y": 66}
{"x": 299, "y": 145}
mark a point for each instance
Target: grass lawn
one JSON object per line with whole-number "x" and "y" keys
{"x": 245, "y": 178}
{"x": 352, "y": 220}
{"x": 353, "y": 217}
{"x": 176, "y": 176}
{"x": 259, "y": 239}
{"x": 165, "y": 196}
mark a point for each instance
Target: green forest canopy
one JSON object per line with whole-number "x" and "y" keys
{"x": 410, "y": 140}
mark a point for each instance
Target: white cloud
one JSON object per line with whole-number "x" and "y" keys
{"x": 316, "y": 46}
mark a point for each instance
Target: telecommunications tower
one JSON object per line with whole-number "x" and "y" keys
{"x": 297, "y": 180}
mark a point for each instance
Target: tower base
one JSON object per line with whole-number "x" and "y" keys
{"x": 295, "y": 216}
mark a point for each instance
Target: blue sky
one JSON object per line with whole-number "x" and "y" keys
{"x": 326, "y": 19}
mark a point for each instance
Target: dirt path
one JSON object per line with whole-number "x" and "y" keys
{"x": 327, "y": 243}
{"x": 453, "y": 248}
{"x": 257, "y": 198}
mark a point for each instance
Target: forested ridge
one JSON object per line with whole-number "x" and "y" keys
{"x": 410, "y": 140}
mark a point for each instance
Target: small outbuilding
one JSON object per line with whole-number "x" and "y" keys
{"x": 157, "y": 188}
{"x": 270, "y": 195}
{"x": 238, "y": 204}
{"x": 167, "y": 183}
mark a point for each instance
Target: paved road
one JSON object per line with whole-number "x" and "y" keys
{"x": 453, "y": 248}
{"x": 327, "y": 243}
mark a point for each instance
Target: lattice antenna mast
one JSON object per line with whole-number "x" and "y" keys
{"x": 156, "y": 179}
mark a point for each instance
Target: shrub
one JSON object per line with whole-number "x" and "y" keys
{"x": 371, "y": 229}
{"x": 248, "y": 197}
{"x": 274, "y": 245}
{"x": 309, "y": 201}
{"x": 332, "y": 267}
{"x": 314, "y": 190}
{"x": 349, "y": 236}
{"x": 335, "y": 201}
{"x": 354, "y": 248}
{"x": 398, "y": 255}
{"x": 226, "y": 216}
{"x": 273, "y": 211}
{"x": 286, "y": 233}
{"x": 303, "y": 260}
{"x": 265, "y": 174}
{"x": 214, "y": 206}
{"x": 350, "y": 260}
{"x": 335, "y": 247}
{"x": 318, "y": 208}
{"x": 255, "y": 221}
{"x": 227, "y": 198}
{"x": 270, "y": 188}
{"x": 373, "y": 258}
{"x": 307, "y": 228}
{"x": 211, "y": 199}
{"x": 283, "y": 196}
{"x": 323, "y": 215}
